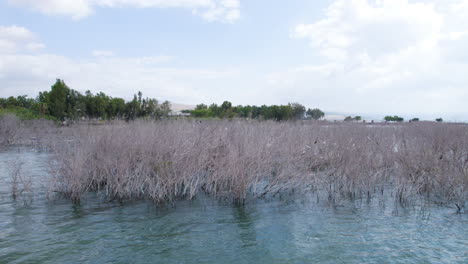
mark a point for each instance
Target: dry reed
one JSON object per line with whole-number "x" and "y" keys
{"x": 9, "y": 129}
{"x": 35, "y": 133}
{"x": 169, "y": 160}
{"x": 21, "y": 186}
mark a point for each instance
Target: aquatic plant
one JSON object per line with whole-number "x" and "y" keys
{"x": 9, "y": 128}
{"x": 21, "y": 185}
{"x": 35, "y": 133}
{"x": 168, "y": 160}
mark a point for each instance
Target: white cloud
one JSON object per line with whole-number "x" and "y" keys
{"x": 15, "y": 38}
{"x": 103, "y": 53}
{"x": 211, "y": 10}
{"x": 122, "y": 77}
{"x": 77, "y": 9}
{"x": 34, "y": 46}
{"x": 15, "y": 33}
{"x": 223, "y": 9}
{"x": 387, "y": 55}
{"x": 25, "y": 69}
{"x": 372, "y": 56}
{"x": 356, "y": 28}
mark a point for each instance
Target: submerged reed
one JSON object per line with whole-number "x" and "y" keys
{"x": 235, "y": 160}
{"x": 9, "y": 129}
{"x": 36, "y": 133}
{"x": 21, "y": 185}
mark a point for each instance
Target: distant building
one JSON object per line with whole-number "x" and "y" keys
{"x": 178, "y": 113}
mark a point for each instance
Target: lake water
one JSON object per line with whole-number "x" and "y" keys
{"x": 207, "y": 231}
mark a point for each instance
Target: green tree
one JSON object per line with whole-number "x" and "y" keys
{"x": 43, "y": 103}
{"x": 165, "y": 109}
{"x": 101, "y": 101}
{"x": 58, "y": 99}
{"x": 62, "y": 102}
{"x": 201, "y": 113}
{"x": 283, "y": 112}
{"x": 394, "y": 119}
{"x": 132, "y": 109}
{"x": 244, "y": 111}
{"x": 315, "y": 114}
{"x": 215, "y": 111}
{"x": 298, "y": 111}
{"x": 149, "y": 108}
{"x": 116, "y": 108}
{"x": 226, "y": 106}
{"x": 256, "y": 112}
{"x": 201, "y": 107}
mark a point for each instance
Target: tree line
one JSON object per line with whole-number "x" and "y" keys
{"x": 63, "y": 103}
{"x": 291, "y": 111}
{"x": 401, "y": 119}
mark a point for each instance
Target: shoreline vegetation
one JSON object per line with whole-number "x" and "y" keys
{"x": 67, "y": 105}
{"x": 235, "y": 153}
{"x": 240, "y": 160}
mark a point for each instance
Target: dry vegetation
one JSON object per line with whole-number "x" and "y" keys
{"x": 9, "y": 129}
{"x": 29, "y": 132}
{"x": 236, "y": 160}
{"x": 21, "y": 185}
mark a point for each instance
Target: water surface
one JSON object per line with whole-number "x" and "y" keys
{"x": 207, "y": 231}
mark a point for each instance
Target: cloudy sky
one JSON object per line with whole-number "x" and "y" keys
{"x": 369, "y": 57}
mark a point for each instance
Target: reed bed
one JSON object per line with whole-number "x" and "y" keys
{"x": 9, "y": 129}
{"x": 36, "y": 133}
{"x": 239, "y": 160}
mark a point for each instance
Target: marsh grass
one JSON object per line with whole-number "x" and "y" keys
{"x": 35, "y": 133}
{"x": 9, "y": 129}
{"x": 241, "y": 160}
{"x": 21, "y": 185}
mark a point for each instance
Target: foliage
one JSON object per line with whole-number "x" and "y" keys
{"x": 63, "y": 103}
{"x": 292, "y": 111}
{"x": 298, "y": 110}
{"x": 59, "y": 100}
{"x": 315, "y": 114}
{"x": 356, "y": 118}
{"x": 394, "y": 119}
{"x": 440, "y": 120}
{"x": 24, "y": 113}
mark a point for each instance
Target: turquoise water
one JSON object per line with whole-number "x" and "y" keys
{"x": 207, "y": 231}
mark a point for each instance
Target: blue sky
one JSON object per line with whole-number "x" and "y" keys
{"x": 258, "y": 37}
{"x": 368, "y": 57}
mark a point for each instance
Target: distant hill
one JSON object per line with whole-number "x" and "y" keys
{"x": 333, "y": 117}
{"x": 175, "y": 107}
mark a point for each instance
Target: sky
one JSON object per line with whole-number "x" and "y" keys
{"x": 363, "y": 57}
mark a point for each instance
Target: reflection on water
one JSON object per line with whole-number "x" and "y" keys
{"x": 206, "y": 231}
